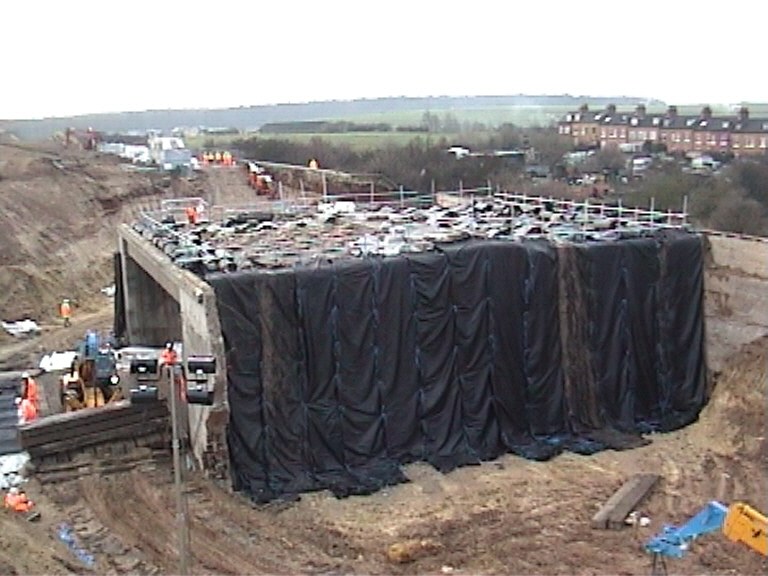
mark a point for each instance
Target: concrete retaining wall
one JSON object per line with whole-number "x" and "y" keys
{"x": 736, "y": 294}
{"x": 163, "y": 302}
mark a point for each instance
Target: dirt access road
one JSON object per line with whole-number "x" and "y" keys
{"x": 510, "y": 516}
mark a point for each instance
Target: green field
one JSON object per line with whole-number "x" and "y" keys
{"x": 490, "y": 117}
{"x": 523, "y": 116}
{"x": 355, "y": 140}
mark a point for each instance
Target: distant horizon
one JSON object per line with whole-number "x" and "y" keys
{"x": 584, "y": 97}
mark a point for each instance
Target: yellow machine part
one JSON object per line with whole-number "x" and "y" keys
{"x": 80, "y": 392}
{"x": 745, "y": 524}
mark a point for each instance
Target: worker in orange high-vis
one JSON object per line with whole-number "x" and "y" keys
{"x": 27, "y": 411}
{"x": 65, "y": 309}
{"x": 17, "y": 500}
{"x": 168, "y": 355}
{"x": 192, "y": 215}
{"x": 29, "y": 389}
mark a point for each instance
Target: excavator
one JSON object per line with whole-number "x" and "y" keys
{"x": 93, "y": 379}
{"x": 739, "y": 522}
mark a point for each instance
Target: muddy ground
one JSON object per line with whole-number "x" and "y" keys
{"x": 510, "y": 516}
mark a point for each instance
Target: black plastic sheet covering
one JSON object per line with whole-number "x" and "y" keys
{"x": 339, "y": 374}
{"x": 119, "y": 327}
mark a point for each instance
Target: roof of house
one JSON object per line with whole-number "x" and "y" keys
{"x": 751, "y": 126}
{"x": 676, "y": 122}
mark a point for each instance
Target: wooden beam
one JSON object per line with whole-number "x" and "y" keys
{"x": 615, "y": 511}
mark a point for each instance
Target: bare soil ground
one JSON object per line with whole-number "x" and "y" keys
{"x": 510, "y": 516}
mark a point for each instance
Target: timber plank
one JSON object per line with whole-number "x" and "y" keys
{"x": 46, "y": 430}
{"x": 74, "y": 419}
{"x": 86, "y": 427}
{"x": 82, "y": 441}
{"x": 613, "y": 513}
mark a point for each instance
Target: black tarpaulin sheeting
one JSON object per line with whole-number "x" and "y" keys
{"x": 119, "y": 326}
{"x": 340, "y": 373}
{"x": 646, "y": 344}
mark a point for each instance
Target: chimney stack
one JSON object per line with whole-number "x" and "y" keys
{"x": 743, "y": 113}
{"x": 584, "y": 108}
{"x": 640, "y": 111}
{"x": 611, "y": 109}
{"x": 672, "y": 111}
{"x": 706, "y": 113}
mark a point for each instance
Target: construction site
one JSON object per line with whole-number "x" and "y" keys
{"x": 375, "y": 381}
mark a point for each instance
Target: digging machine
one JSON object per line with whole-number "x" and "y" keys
{"x": 93, "y": 380}
{"x": 111, "y": 425}
{"x": 739, "y": 522}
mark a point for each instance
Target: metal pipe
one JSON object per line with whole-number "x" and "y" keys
{"x": 181, "y": 499}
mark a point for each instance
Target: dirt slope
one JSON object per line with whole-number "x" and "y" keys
{"x": 59, "y": 210}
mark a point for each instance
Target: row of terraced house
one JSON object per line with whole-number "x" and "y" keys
{"x": 739, "y": 135}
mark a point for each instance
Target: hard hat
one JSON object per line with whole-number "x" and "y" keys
{"x": 24, "y": 375}
{"x": 14, "y": 490}
{"x": 169, "y": 345}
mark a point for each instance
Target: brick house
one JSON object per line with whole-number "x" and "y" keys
{"x": 580, "y": 127}
{"x": 703, "y": 133}
{"x": 749, "y": 135}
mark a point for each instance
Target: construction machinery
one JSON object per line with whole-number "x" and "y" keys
{"x": 93, "y": 379}
{"x": 100, "y": 432}
{"x": 260, "y": 180}
{"x": 86, "y": 139}
{"x": 739, "y": 522}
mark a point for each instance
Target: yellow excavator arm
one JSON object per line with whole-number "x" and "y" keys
{"x": 745, "y": 524}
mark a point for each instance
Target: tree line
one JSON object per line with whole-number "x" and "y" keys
{"x": 735, "y": 199}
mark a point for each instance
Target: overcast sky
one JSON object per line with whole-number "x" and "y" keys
{"x": 74, "y": 56}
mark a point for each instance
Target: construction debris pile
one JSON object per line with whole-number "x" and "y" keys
{"x": 253, "y": 239}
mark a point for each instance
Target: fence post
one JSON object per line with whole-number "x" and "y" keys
{"x": 372, "y": 193}
{"x": 685, "y": 209}
{"x": 401, "y": 196}
{"x": 325, "y": 187}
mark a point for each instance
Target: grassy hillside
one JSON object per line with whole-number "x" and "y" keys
{"x": 252, "y": 117}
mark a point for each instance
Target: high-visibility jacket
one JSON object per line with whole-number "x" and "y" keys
{"x": 168, "y": 356}
{"x": 65, "y": 310}
{"x": 31, "y": 391}
{"x": 192, "y": 215}
{"x": 27, "y": 411}
{"x": 10, "y": 500}
{"x": 17, "y": 502}
{"x": 22, "y": 504}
